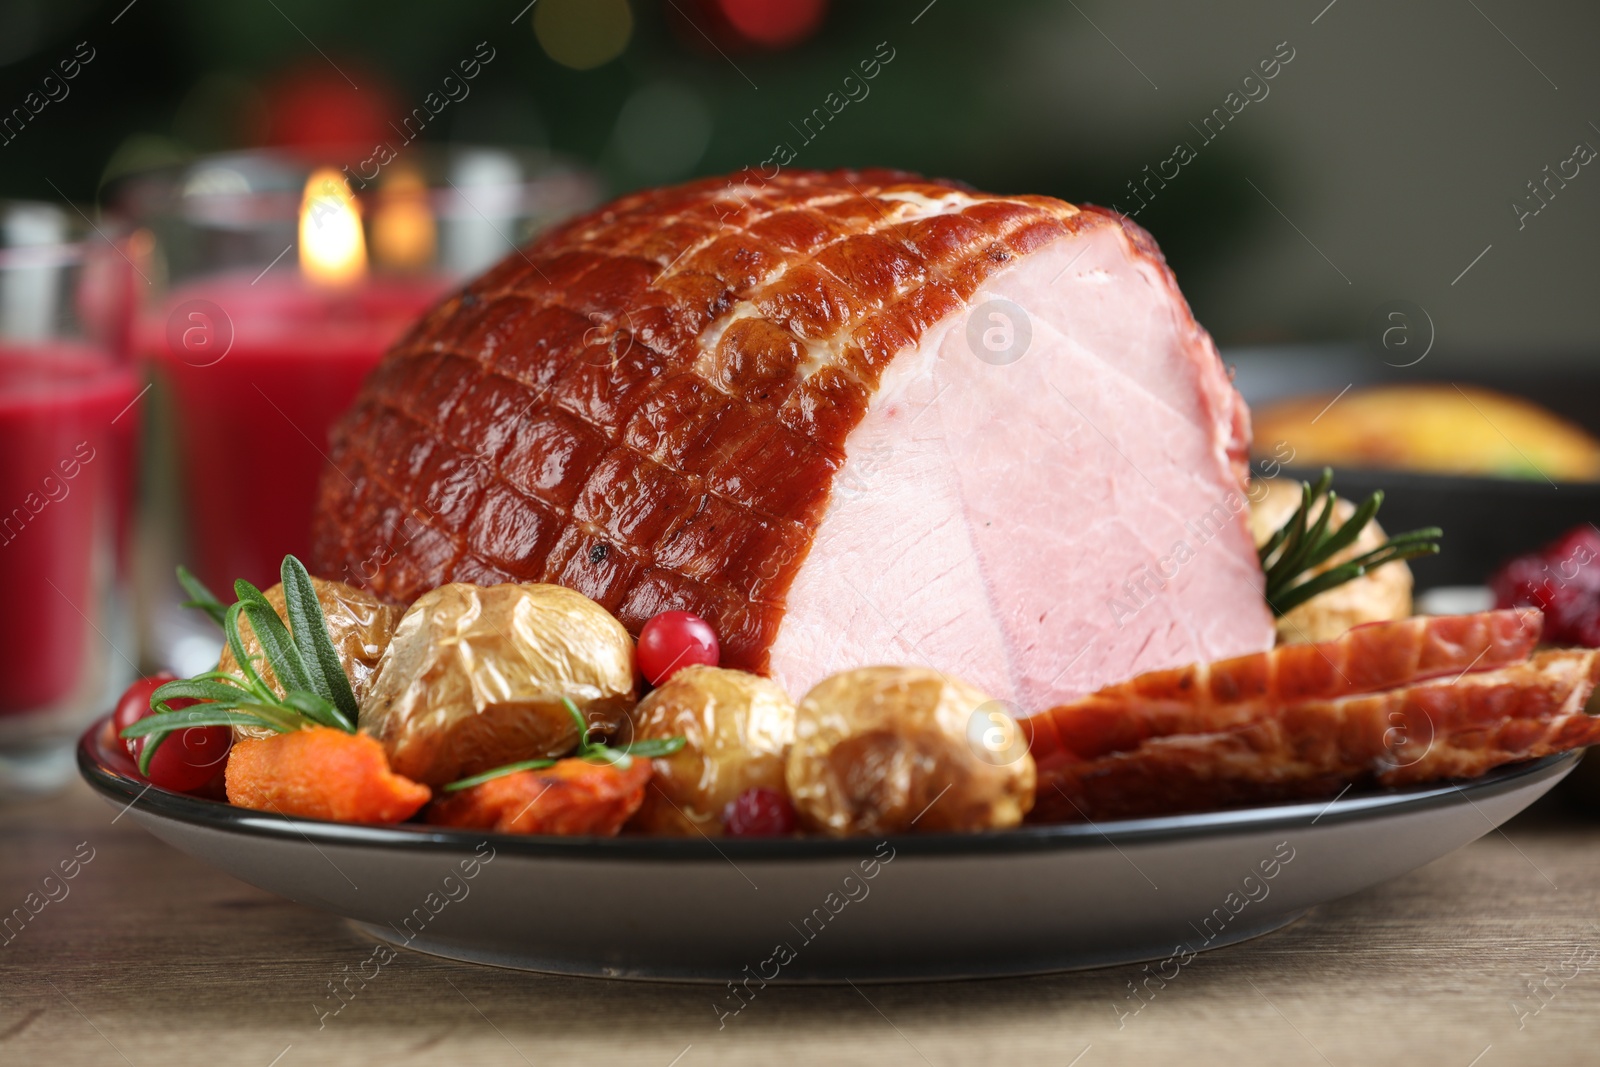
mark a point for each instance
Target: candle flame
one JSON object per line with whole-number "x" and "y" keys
{"x": 333, "y": 250}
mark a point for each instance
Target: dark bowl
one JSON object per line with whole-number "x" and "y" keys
{"x": 1486, "y": 521}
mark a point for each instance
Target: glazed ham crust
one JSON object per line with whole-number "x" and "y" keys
{"x": 650, "y": 404}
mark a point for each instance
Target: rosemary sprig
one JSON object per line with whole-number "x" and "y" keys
{"x": 199, "y": 596}
{"x": 1302, "y": 544}
{"x": 593, "y": 751}
{"x": 316, "y": 691}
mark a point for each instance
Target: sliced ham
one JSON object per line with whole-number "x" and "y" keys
{"x": 1442, "y": 729}
{"x": 1207, "y": 698}
{"x": 850, "y": 418}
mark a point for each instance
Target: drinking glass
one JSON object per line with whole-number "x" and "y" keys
{"x": 68, "y": 432}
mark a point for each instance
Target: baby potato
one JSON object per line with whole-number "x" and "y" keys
{"x": 882, "y": 750}
{"x": 737, "y": 728}
{"x": 359, "y": 623}
{"x": 1377, "y": 596}
{"x": 475, "y": 676}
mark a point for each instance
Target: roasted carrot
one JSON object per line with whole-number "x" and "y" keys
{"x": 574, "y": 796}
{"x": 321, "y": 773}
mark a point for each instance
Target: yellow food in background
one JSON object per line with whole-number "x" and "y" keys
{"x": 1380, "y": 594}
{"x": 1440, "y": 429}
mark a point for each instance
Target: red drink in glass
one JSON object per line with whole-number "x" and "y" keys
{"x": 258, "y": 373}
{"x": 60, "y": 489}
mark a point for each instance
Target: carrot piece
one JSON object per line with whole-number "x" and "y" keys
{"x": 321, "y": 773}
{"x": 572, "y": 797}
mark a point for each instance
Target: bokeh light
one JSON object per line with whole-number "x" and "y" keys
{"x": 774, "y": 23}
{"x": 583, "y": 34}
{"x": 662, "y": 131}
{"x": 404, "y": 234}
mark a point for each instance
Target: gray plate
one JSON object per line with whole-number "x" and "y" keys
{"x": 930, "y": 906}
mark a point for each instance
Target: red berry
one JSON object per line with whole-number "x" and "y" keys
{"x": 759, "y": 812}
{"x": 1562, "y": 579}
{"x": 188, "y": 759}
{"x": 134, "y": 704}
{"x": 674, "y": 640}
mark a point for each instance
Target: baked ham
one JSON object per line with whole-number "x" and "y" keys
{"x": 850, "y": 418}
{"x": 1425, "y": 731}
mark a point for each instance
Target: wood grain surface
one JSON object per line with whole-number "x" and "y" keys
{"x": 152, "y": 958}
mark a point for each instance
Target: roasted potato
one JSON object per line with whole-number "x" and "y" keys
{"x": 474, "y": 679}
{"x": 1378, "y": 595}
{"x": 737, "y": 729}
{"x": 882, "y": 750}
{"x": 360, "y": 624}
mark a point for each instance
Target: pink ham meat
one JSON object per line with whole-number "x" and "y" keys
{"x": 851, "y": 418}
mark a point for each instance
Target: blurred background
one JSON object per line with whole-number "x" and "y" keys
{"x": 1382, "y": 159}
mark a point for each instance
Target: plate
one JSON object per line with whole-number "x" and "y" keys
{"x": 904, "y": 908}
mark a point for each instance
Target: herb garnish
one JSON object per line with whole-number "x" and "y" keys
{"x": 316, "y": 691}
{"x": 593, "y": 751}
{"x": 1303, "y": 544}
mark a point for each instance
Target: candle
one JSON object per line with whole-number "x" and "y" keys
{"x": 258, "y": 368}
{"x": 64, "y": 410}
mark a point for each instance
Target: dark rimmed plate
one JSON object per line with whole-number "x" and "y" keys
{"x": 931, "y": 906}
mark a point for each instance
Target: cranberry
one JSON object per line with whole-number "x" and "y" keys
{"x": 188, "y": 760}
{"x": 759, "y": 812}
{"x": 1562, "y": 580}
{"x": 674, "y": 640}
{"x": 134, "y": 704}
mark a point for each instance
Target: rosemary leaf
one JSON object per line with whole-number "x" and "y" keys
{"x": 602, "y": 754}
{"x": 310, "y": 630}
{"x": 1296, "y": 528}
{"x": 201, "y": 597}
{"x": 596, "y": 752}
{"x": 578, "y": 720}
{"x": 1422, "y": 540}
{"x": 1273, "y": 544}
{"x": 1303, "y": 544}
{"x": 202, "y": 715}
{"x": 650, "y": 748}
{"x": 199, "y": 689}
{"x": 499, "y": 772}
{"x": 1347, "y": 534}
{"x": 1310, "y": 542}
{"x": 1332, "y": 578}
{"x": 225, "y": 677}
{"x": 157, "y": 728}
{"x": 230, "y": 629}
{"x": 314, "y": 707}
{"x": 276, "y": 644}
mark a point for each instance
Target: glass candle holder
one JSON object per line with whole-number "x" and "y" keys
{"x": 284, "y": 278}
{"x": 68, "y": 430}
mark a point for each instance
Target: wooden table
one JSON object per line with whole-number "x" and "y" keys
{"x": 153, "y": 958}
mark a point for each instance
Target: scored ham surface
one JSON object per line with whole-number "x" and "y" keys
{"x": 851, "y": 418}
